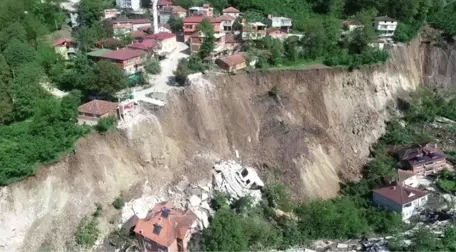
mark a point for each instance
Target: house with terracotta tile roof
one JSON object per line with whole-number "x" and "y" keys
{"x": 130, "y": 60}
{"x": 400, "y": 198}
{"x": 64, "y": 47}
{"x": 277, "y": 33}
{"x": 147, "y": 45}
{"x": 233, "y": 62}
{"x": 164, "y": 3}
{"x": 91, "y": 112}
{"x": 165, "y": 228}
{"x": 179, "y": 11}
{"x": 231, "y": 11}
{"x": 227, "y": 22}
{"x": 124, "y": 26}
{"x": 191, "y": 25}
{"x": 167, "y": 42}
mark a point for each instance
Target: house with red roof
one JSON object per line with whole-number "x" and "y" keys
{"x": 179, "y": 11}
{"x": 147, "y": 45}
{"x": 167, "y": 42}
{"x": 191, "y": 25}
{"x": 130, "y": 60}
{"x": 64, "y": 47}
{"x": 165, "y": 228}
{"x": 227, "y": 22}
{"x": 400, "y": 198}
{"x": 91, "y": 112}
{"x": 164, "y": 3}
{"x": 231, "y": 11}
{"x": 423, "y": 159}
{"x": 277, "y": 33}
{"x": 124, "y": 26}
{"x": 233, "y": 62}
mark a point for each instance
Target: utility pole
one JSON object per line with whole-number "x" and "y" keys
{"x": 155, "y": 13}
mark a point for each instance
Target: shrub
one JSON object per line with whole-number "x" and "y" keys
{"x": 118, "y": 203}
{"x": 98, "y": 210}
{"x": 274, "y": 92}
{"x": 106, "y": 123}
{"x": 153, "y": 66}
{"x": 87, "y": 233}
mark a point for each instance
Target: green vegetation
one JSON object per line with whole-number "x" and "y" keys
{"x": 176, "y": 23}
{"x": 87, "y": 233}
{"x": 106, "y": 123}
{"x": 447, "y": 181}
{"x": 208, "y": 44}
{"x": 187, "y": 66}
{"x": 424, "y": 239}
{"x": 153, "y": 66}
{"x": 444, "y": 17}
{"x": 118, "y": 203}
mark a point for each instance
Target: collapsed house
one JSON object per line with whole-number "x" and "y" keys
{"x": 230, "y": 177}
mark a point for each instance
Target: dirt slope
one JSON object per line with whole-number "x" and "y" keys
{"x": 317, "y": 133}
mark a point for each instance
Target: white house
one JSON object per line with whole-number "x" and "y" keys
{"x": 351, "y": 25}
{"x": 231, "y": 11}
{"x": 283, "y": 23}
{"x": 129, "y": 4}
{"x": 385, "y": 26}
{"x": 253, "y": 31}
{"x": 407, "y": 178}
{"x": 400, "y": 198}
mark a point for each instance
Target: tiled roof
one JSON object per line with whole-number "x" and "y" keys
{"x": 178, "y": 9}
{"x": 123, "y": 54}
{"x": 175, "y": 225}
{"x": 275, "y": 29}
{"x": 147, "y": 45}
{"x": 384, "y": 18}
{"x": 61, "y": 41}
{"x": 234, "y": 59}
{"x": 231, "y": 10}
{"x": 165, "y": 3}
{"x": 226, "y": 18}
{"x": 161, "y": 36}
{"x": 198, "y": 19}
{"x": 400, "y": 194}
{"x": 98, "y": 107}
{"x": 99, "y": 53}
{"x": 206, "y": 6}
{"x": 404, "y": 174}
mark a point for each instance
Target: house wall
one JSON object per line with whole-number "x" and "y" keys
{"x": 62, "y": 50}
{"x": 277, "y": 22}
{"x": 409, "y": 209}
{"x": 232, "y": 14}
{"x": 129, "y": 4}
{"x": 136, "y": 26}
{"x": 412, "y": 181}
{"x": 406, "y": 210}
{"x": 385, "y": 28}
{"x": 430, "y": 167}
{"x": 382, "y": 201}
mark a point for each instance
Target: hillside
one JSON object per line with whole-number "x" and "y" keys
{"x": 317, "y": 134}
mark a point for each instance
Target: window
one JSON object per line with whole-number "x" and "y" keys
{"x": 244, "y": 173}
{"x": 408, "y": 205}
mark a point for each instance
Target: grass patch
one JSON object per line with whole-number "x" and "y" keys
{"x": 298, "y": 64}
{"x": 88, "y": 232}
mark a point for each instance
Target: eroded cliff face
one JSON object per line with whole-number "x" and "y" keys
{"x": 316, "y": 134}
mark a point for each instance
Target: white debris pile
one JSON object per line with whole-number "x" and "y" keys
{"x": 238, "y": 181}
{"x": 199, "y": 202}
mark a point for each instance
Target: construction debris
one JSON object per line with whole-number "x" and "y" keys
{"x": 232, "y": 178}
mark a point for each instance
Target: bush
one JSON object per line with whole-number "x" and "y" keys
{"x": 87, "y": 233}
{"x": 118, "y": 203}
{"x": 106, "y": 123}
{"x": 98, "y": 210}
{"x": 188, "y": 66}
{"x": 153, "y": 66}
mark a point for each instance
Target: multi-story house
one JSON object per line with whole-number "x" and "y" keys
{"x": 227, "y": 22}
{"x": 166, "y": 12}
{"x": 385, "y": 26}
{"x": 283, "y": 23}
{"x": 165, "y": 229}
{"x": 423, "y": 159}
{"x": 129, "y": 4}
{"x": 400, "y": 198}
{"x": 207, "y": 10}
{"x": 253, "y": 31}
{"x": 166, "y": 42}
{"x": 191, "y": 25}
{"x": 124, "y": 26}
{"x": 231, "y": 11}
{"x": 130, "y": 60}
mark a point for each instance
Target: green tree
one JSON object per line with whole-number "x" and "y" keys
{"x": 219, "y": 5}
{"x": 225, "y": 233}
{"x": 14, "y": 31}
{"x": 313, "y": 40}
{"x": 17, "y": 53}
{"x": 208, "y": 44}
{"x": 86, "y": 38}
{"x": 153, "y": 66}
{"x": 107, "y": 79}
{"x": 176, "y": 23}
{"x": 90, "y": 11}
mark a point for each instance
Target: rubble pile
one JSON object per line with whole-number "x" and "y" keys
{"x": 232, "y": 178}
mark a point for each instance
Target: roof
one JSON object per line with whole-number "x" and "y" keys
{"x": 178, "y": 9}
{"x": 138, "y": 34}
{"x": 226, "y": 18}
{"x": 384, "y": 18}
{"x": 206, "y": 6}
{"x": 61, "y": 41}
{"x": 233, "y": 60}
{"x": 352, "y": 22}
{"x": 147, "y": 45}
{"x": 99, "y": 52}
{"x": 275, "y": 29}
{"x": 98, "y": 107}
{"x": 134, "y": 21}
{"x": 123, "y": 54}
{"x": 198, "y": 19}
{"x": 278, "y": 18}
{"x": 165, "y": 2}
{"x": 231, "y": 10}
{"x": 161, "y": 36}
{"x": 404, "y": 175}
{"x": 419, "y": 153}
{"x": 400, "y": 194}
{"x": 175, "y": 225}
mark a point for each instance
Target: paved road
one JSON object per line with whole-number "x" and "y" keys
{"x": 161, "y": 82}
